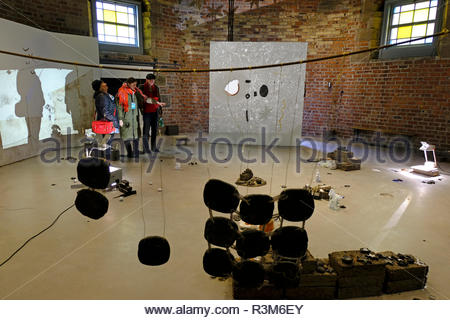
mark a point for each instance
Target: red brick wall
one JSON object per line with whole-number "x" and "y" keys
{"x": 63, "y": 16}
{"x": 402, "y": 96}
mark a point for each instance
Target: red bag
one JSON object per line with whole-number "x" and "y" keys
{"x": 102, "y": 127}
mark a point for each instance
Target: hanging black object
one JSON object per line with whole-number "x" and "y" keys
{"x": 217, "y": 262}
{"x": 94, "y": 173}
{"x": 285, "y": 274}
{"x": 221, "y": 232}
{"x": 263, "y": 91}
{"x": 296, "y": 205}
{"x": 290, "y": 241}
{"x": 221, "y": 196}
{"x": 252, "y": 243}
{"x": 256, "y": 209}
{"x": 153, "y": 251}
{"x": 248, "y": 274}
{"x": 91, "y": 204}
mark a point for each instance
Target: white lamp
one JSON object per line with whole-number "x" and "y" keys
{"x": 429, "y": 168}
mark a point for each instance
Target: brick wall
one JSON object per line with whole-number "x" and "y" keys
{"x": 402, "y": 96}
{"x": 52, "y": 15}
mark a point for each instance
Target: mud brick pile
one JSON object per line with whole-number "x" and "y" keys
{"x": 317, "y": 281}
{"x": 360, "y": 276}
{"x": 345, "y": 159}
{"x": 404, "y": 273}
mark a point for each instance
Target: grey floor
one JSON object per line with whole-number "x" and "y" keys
{"x": 79, "y": 258}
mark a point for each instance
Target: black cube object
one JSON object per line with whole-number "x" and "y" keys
{"x": 256, "y": 209}
{"x": 252, "y": 243}
{"x": 93, "y": 173}
{"x": 217, "y": 262}
{"x": 296, "y": 205}
{"x": 285, "y": 274}
{"x": 91, "y": 204}
{"x": 290, "y": 241}
{"x": 248, "y": 274}
{"x": 153, "y": 251}
{"x": 221, "y": 196}
{"x": 221, "y": 231}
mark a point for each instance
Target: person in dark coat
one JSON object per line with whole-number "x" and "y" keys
{"x": 105, "y": 107}
{"x": 150, "y": 112}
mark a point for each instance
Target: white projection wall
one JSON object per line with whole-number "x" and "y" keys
{"x": 40, "y": 100}
{"x": 271, "y": 99}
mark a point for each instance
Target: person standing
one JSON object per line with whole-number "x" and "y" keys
{"x": 105, "y": 107}
{"x": 150, "y": 112}
{"x": 128, "y": 112}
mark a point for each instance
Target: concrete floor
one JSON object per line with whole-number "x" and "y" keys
{"x": 79, "y": 258}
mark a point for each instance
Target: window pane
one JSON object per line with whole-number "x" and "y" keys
{"x": 418, "y": 41}
{"x": 109, "y": 6}
{"x": 122, "y": 18}
{"x": 111, "y": 38}
{"x": 408, "y": 7}
{"x": 131, "y": 10}
{"x": 110, "y": 30}
{"x": 419, "y": 30}
{"x": 430, "y": 29}
{"x": 123, "y": 31}
{"x": 100, "y": 28}
{"x": 421, "y": 15}
{"x": 131, "y": 32}
{"x": 406, "y": 17}
{"x": 121, "y": 9}
{"x": 99, "y": 14}
{"x": 99, "y": 4}
{"x": 109, "y": 16}
{"x": 123, "y": 40}
{"x": 395, "y": 19}
{"x": 432, "y": 14}
{"x": 131, "y": 19}
{"x": 422, "y": 5}
{"x": 393, "y": 42}
{"x": 394, "y": 33}
{"x": 433, "y": 3}
{"x": 101, "y": 37}
{"x": 429, "y": 40}
{"x": 404, "y": 32}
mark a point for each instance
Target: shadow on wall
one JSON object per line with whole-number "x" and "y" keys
{"x": 31, "y": 104}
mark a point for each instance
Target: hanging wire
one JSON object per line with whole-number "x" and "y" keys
{"x": 163, "y": 205}
{"x": 194, "y": 70}
{"x": 276, "y": 126}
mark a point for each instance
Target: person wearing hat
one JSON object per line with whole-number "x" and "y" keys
{"x": 127, "y": 101}
{"x": 150, "y": 112}
{"x": 105, "y": 107}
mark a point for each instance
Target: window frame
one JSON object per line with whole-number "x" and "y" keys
{"x": 414, "y": 50}
{"x": 120, "y": 47}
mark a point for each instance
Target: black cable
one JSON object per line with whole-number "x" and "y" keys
{"x": 26, "y": 242}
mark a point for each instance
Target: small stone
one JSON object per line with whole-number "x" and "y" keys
{"x": 364, "y": 250}
{"x": 320, "y": 263}
{"x": 159, "y": 189}
{"x": 320, "y": 269}
{"x": 121, "y": 199}
{"x": 347, "y": 260}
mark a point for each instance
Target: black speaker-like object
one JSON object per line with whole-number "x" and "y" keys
{"x": 218, "y": 262}
{"x": 153, "y": 251}
{"x": 94, "y": 173}
{"x": 256, "y": 209}
{"x": 290, "y": 241}
{"x": 249, "y": 274}
{"x": 296, "y": 205}
{"x": 91, "y": 203}
{"x": 221, "y": 196}
{"x": 221, "y": 232}
{"x": 252, "y": 243}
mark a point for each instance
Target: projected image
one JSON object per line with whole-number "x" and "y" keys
{"x": 33, "y": 105}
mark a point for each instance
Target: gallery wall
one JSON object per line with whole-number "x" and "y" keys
{"x": 42, "y": 100}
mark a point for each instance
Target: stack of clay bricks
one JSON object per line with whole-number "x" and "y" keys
{"x": 317, "y": 282}
{"x": 345, "y": 159}
{"x": 360, "y": 273}
{"x": 404, "y": 273}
